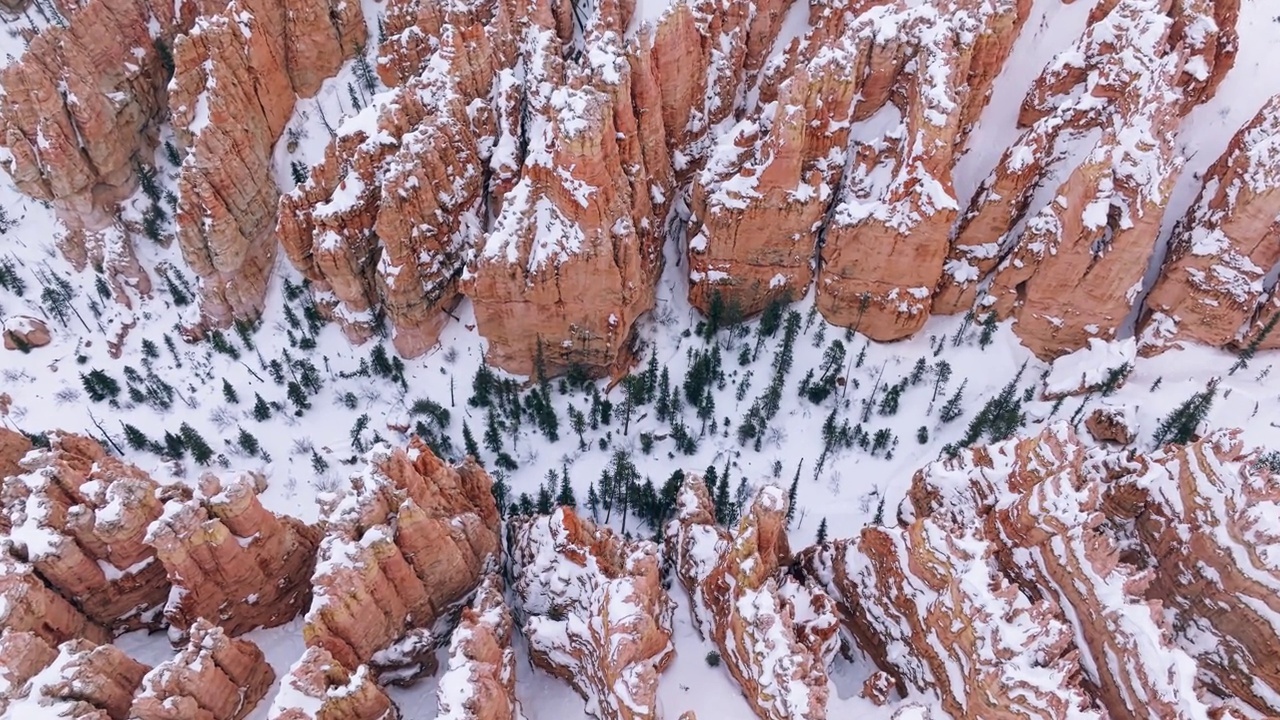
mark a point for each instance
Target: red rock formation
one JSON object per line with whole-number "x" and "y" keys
{"x": 24, "y": 333}
{"x": 1211, "y": 283}
{"x": 1114, "y": 424}
{"x": 596, "y": 613}
{"x": 318, "y": 687}
{"x": 79, "y": 112}
{"x": 22, "y": 655}
{"x": 230, "y": 560}
{"x": 1069, "y": 217}
{"x": 80, "y": 517}
{"x": 370, "y": 227}
{"x": 571, "y": 260}
{"x": 888, "y": 231}
{"x": 409, "y": 539}
{"x": 480, "y": 681}
{"x": 232, "y": 94}
{"x": 212, "y": 678}
{"x": 1207, "y": 535}
{"x": 776, "y": 634}
{"x": 83, "y": 681}
{"x": 13, "y": 447}
{"x": 28, "y": 605}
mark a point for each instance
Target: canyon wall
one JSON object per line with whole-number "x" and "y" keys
{"x": 541, "y": 164}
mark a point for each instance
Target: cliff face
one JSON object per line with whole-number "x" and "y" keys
{"x": 596, "y": 614}
{"x": 80, "y": 517}
{"x": 230, "y": 560}
{"x": 1212, "y": 282}
{"x": 78, "y": 680}
{"x": 1068, "y": 263}
{"x": 776, "y": 634}
{"x": 1044, "y": 577}
{"x": 409, "y": 540}
{"x": 214, "y": 677}
{"x": 318, "y": 687}
{"x": 480, "y": 681}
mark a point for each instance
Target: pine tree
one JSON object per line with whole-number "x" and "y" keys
{"x": 1180, "y": 426}
{"x": 593, "y": 501}
{"x": 942, "y": 373}
{"x": 135, "y": 438}
{"x": 469, "y": 442}
{"x": 918, "y": 370}
{"x": 200, "y": 450}
{"x": 922, "y": 435}
{"x": 792, "y": 492}
{"x": 261, "y": 410}
{"x": 298, "y": 397}
{"x": 988, "y": 330}
{"x": 822, "y": 531}
{"x": 952, "y": 410}
{"x": 565, "y": 498}
{"x": 663, "y": 403}
{"x": 318, "y": 464}
{"x": 229, "y": 392}
{"x": 724, "y": 514}
{"x": 248, "y": 443}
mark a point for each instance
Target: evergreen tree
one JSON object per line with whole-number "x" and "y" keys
{"x": 942, "y": 373}
{"x": 565, "y": 497}
{"x": 173, "y": 447}
{"x": 298, "y": 397}
{"x": 1180, "y": 426}
{"x": 229, "y": 392}
{"x": 261, "y": 410}
{"x": 469, "y": 442}
{"x": 710, "y": 478}
{"x": 822, "y": 531}
{"x": 889, "y": 403}
{"x": 135, "y": 438}
{"x": 988, "y": 330}
{"x": 593, "y": 501}
{"x": 492, "y": 436}
{"x": 952, "y": 410}
{"x": 625, "y": 476}
{"x": 1247, "y": 353}
{"x": 922, "y": 435}
{"x": 318, "y": 464}
{"x": 724, "y": 514}
{"x": 1115, "y": 378}
{"x": 248, "y": 443}
{"x": 792, "y": 492}
{"x": 544, "y": 499}
{"x": 606, "y": 493}
{"x": 663, "y": 404}
{"x": 917, "y": 371}
{"x": 200, "y": 450}
{"x": 578, "y": 423}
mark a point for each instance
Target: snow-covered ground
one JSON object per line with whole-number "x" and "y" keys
{"x": 47, "y": 389}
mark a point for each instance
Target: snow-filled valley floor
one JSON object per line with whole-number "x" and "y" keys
{"x": 307, "y": 451}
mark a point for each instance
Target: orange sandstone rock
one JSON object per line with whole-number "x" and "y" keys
{"x": 231, "y": 561}
{"x": 479, "y": 683}
{"x": 13, "y": 447}
{"x": 408, "y": 541}
{"x": 597, "y": 614}
{"x": 84, "y": 681}
{"x": 318, "y": 687}
{"x": 214, "y": 677}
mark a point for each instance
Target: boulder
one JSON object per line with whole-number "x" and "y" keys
{"x": 24, "y": 333}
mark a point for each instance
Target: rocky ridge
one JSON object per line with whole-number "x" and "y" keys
{"x": 594, "y": 611}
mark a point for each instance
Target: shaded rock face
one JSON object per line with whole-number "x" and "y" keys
{"x": 1065, "y": 224}
{"x": 479, "y": 683}
{"x": 384, "y": 223}
{"x": 1040, "y": 577}
{"x": 13, "y": 447}
{"x": 408, "y": 541}
{"x": 230, "y": 560}
{"x": 888, "y": 230}
{"x": 1212, "y": 283}
{"x": 595, "y": 612}
{"x": 1113, "y": 424}
{"x": 80, "y": 518}
{"x": 29, "y": 605}
{"x": 776, "y": 633}
{"x": 214, "y": 677}
{"x": 318, "y": 687}
{"x": 81, "y": 112}
{"x": 78, "y": 680}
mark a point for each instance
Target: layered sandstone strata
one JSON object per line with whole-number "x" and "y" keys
{"x": 318, "y": 687}
{"x": 480, "y": 681}
{"x": 27, "y": 604}
{"x": 1112, "y": 424}
{"x": 595, "y": 612}
{"x": 237, "y": 73}
{"x": 409, "y": 539}
{"x": 230, "y": 560}
{"x": 79, "y": 516}
{"x": 382, "y": 225}
{"x": 1212, "y": 283}
{"x": 572, "y": 260}
{"x": 214, "y": 677}
{"x": 776, "y": 633}
{"x": 1050, "y": 578}
{"x": 888, "y": 232}
{"x": 78, "y": 680}
{"x": 13, "y": 447}
{"x": 1066, "y": 222}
